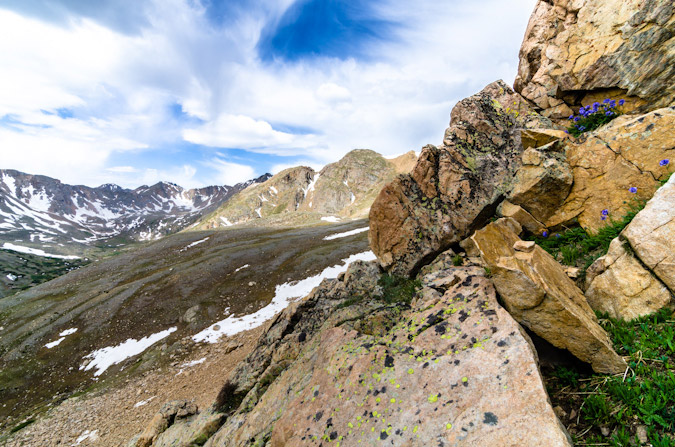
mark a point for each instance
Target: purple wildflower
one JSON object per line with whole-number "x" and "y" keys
{"x": 605, "y": 212}
{"x": 544, "y": 233}
{"x": 622, "y": 102}
{"x": 606, "y": 101}
{"x": 665, "y": 162}
{"x": 576, "y": 118}
{"x": 609, "y": 113}
{"x": 632, "y": 189}
{"x": 557, "y": 235}
{"x": 603, "y": 218}
{"x": 571, "y": 117}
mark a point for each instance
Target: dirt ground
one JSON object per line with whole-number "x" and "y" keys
{"x": 113, "y": 416}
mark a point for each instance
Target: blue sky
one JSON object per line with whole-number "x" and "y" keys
{"x": 202, "y": 92}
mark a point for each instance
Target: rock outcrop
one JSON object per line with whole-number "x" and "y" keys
{"x": 454, "y": 369}
{"x": 579, "y": 51}
{"x": 456, "y": 187}
{"x": 620, "y": 286}
{"x": 605, "y": 165}
{"x": 537, "y": 292}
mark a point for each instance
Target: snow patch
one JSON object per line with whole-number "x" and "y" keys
{"x": 34, "y": 251}
{"x": 226, "y": 222}
{"x": 242, "y": 268}
{"x": 63, "y": 336}
{"x": 284, "y": 294}
{"x": 194, "y": 363}
{"x": 258, "y": 211}
{"x": 353, "y": 197}
{"x": 345, "y": 234}
{"x": 273, "y": 190}
{"x": 93, "y": 435}
{"x": 103, "y": 359}
{"x": 143, "y": 402}
{"x": 194, "y": 243}
{"x": 11, "y": 277}
{"x": 311, "y": 185}
{"x": 332, "y": 219}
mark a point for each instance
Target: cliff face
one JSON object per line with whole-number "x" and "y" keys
{"x": 579, "y": 51}
{"x": 346, "y": 189}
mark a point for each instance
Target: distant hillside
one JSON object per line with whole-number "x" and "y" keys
{"x": 344, "y": 189}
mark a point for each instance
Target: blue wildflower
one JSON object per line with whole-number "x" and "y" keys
{"x": 622, "y": 102}
{"x": 557, "y": 235}
{"x": 605, "y": 212}
{"x": 603, "y": 218}
{"x": 581, "y": 128}
{"x": 632, "y": 189}
{"x": 544, "y": 233}
{"x": 609, "y": 113}
{"x": 665, "y": 162}
{"x": 596, "y": 105}
{"x": 571, "y": 117}
{"x": 612, "y": 103}
{"x": 582, "y": 110}
{"x": 606, "y": 101}
{"x": 576, "y": 118}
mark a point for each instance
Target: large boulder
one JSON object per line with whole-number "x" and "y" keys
{"x": 456, "y": 187}
{"x": 607, "y": 163}
{"x": 651, "y": 234}
{"x": 619, "y": 285}
{"x": 579, "y": 51}
{"x": 538, "y": 293}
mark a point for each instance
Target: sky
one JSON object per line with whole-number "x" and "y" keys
{"x": 216, "y": 92}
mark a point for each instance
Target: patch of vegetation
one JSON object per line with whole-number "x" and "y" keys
{"x": 22, "y": 425}
{"x": 641, "y": 399}
{"x": 228, "y": 398}
{"x": 398, "y": 289}
{"x": 576, "y": 247}
{"x": 457, "y": 260}
{"x": 594, "y": 116}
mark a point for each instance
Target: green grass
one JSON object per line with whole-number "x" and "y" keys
{"x": 645, "y": 396}
{"x": 397, "y": 289}
{"x": 576, "y": 247}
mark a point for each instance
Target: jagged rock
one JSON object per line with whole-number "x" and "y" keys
{"x": 191, "y": 432}
{"x": 456, "y": 187}
{"x": 623, "y": 154}
{"x": 525, "y": 219}
{"x": 166, "y": 417}
{"x": 620, "y": 286}
{"x": 534, "y": 138}
{"x": 543, "y": 182}
{"x": 651, "y": 234}
{"x": 580, "y": 51}
{"x": 539, "y": 295}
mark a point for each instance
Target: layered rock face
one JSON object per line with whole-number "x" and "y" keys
{"x": 579, "y": 51}
{"x": 456, "y": 187}
{"x": 455, "y": 369}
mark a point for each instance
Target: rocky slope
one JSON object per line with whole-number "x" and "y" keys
{"x": 344, "y": 189}
{"x": 93, "y": 323}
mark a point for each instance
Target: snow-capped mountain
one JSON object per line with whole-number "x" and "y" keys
{"x": 35, "y": 209}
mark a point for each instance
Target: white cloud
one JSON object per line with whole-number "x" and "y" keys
{"x": 232, "y": 173}
{"x": 121, "y": 87}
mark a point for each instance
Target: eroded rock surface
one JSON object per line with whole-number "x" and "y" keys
{"x": 619, "y": 285}
{"x": 538, "y": 293}
{"x": 579, "y": 51}
{"x": 651, "y": 234}
{"x": 622, "y": 155}
{"x": 454, "y": 188}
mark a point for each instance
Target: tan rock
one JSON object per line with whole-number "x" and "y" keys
{"x": 455, "y": 187}
{"x": 577, "y": 52}
{"x": 524, "y": 246}
{"x": 163, "y": 420}
{"x": 623, "y": 154}
{"x": 622, "y": 287}
{"x": 539, "y": 295}
{"x": 651, "y": 234}
{"x": 534, "y": 138}
{"x": 542, "y": 183}
{"x": 525, "y": 219}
